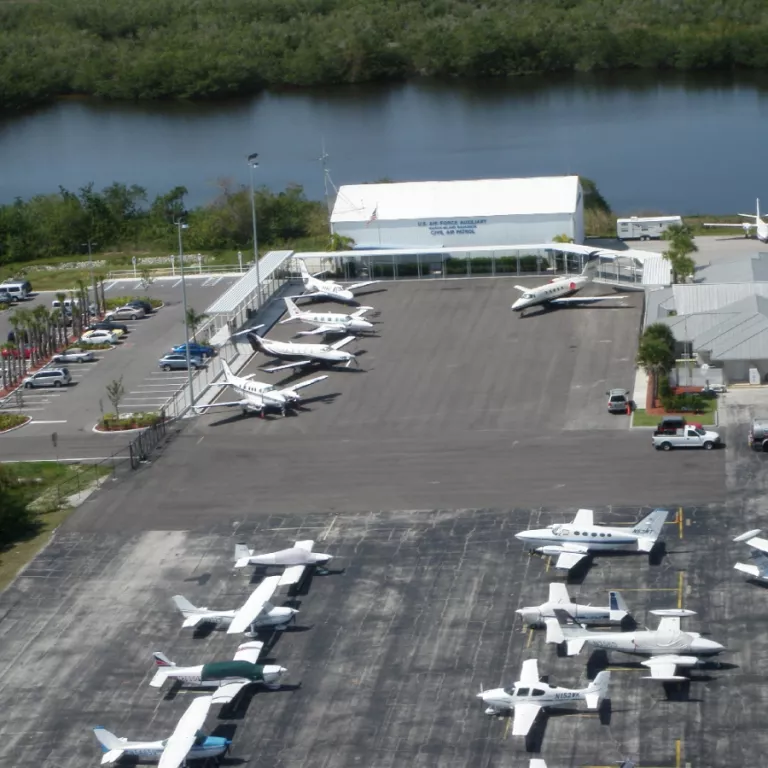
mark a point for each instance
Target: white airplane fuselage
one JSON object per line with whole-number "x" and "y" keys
{"x": 584, "y": 614}
{"x": 650, "y": 642}
{"x": 336, "y": 321}
{"x": 504, "y": 699}
{"x": 557, "y": 289}
{"x": 593, "y": 538}
{"x": 291, "y": 557}
{"x": 275, "y": 617}
{"x": 212, "y": 746}
{"x": 193, "y": 676}
{"x": 287, "y": 350}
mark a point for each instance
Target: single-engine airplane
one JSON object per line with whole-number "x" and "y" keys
{"x": 327, "y": 289}
{"x": 613, "y": 613}
{"x": 328, "y": 322}
{"x": 296, "y": 559}
{"x": 760, "y": 226}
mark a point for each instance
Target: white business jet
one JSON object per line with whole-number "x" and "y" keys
{"x": 300, "y": 354}
{"x": 760, "y": 226}
{"x": 529, "y": 695}
{"x": 295, "y": 560}
{"x": 613, "y": 613}
{"x": 663, "y": 645}
{"x": 227, "y": 677}
{"x": 572, "y": 542}
{"x": 327, "y": 289}
{"x": 187, "y": 742}
{"x": 256, "y": 395}
{"x": 257, "y": 612}
{"x": 758, "y": 569}
{"x": 328, "y": 322}
{"x": 560, "y": 291}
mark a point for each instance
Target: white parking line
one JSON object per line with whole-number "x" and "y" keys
{"x": 178, "y": 282}
{"x": 111, "y": 285}
{"x": 56, "y": 421}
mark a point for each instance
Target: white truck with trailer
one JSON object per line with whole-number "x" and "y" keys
{"x": 646, "y": 228}
{"x": 689, "y": 436}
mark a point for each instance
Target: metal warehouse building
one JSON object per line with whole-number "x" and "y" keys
{"x": 439, "y": 214}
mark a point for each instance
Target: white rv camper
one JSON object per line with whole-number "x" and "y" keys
{"x": 652, "y": 227}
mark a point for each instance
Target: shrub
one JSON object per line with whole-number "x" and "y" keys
{"x": 120, "y": 301}
{"x": 111, "y": 422}
{"x": 11, "y": 420}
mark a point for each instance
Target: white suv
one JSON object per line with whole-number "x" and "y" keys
{"x": 48, "y": 377}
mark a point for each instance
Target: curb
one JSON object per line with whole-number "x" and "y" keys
{"x": 18, "y": 426}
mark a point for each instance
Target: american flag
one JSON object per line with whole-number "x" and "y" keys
{"x": 374, "y": 215}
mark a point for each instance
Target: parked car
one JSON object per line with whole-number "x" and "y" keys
{"x": 98, "y": 337}
{"x": 74, "y": 355}
{"x": 16, "y": 352}
{"x": 48, "y": 377}
{"x": 119, "y": 329}
{"x": 618, "y": 401}
{"x": 177, "y": 362}
{"x": 125, "y": 313}
{"x": 7, "y": 298}
{"x": 145, "y": 305}
{"x": 196, "y": 350}
{"x": 758, "y": 435}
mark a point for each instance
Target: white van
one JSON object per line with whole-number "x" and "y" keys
{"x": 19, "y": 290}
{"x": 652, "y": 227}
{"x": 67, "y": 304}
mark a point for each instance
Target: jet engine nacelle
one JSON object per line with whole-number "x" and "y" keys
{"x": 552, "y": 550}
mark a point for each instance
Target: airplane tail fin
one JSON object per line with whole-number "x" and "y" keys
{"x": 564, "y": 628}
{"x": 164, "y": 666}
{"x": 590, "y": 265}
{"x": 242, "y": 555}
{"x": 228, "y": 375}
{"x": 107, "y": 739}
{"x": 598, "y": 689}
{"x": 617, "y": 606}
{"x": 161, "y": 660}
{"x": 184, "y": 605}
{"x": 293, "y": 310}
{"x": 304, "y": 271}
{"x": 254, "y": 340}
{"x": 757, "y": 206}
{"x": 649, "y": 529}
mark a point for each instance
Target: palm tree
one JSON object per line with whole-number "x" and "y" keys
{"x": 661, "y": 331}
{"x": 20, "y": 321}
{"x": 43, "y": 318}
{"x": 678, "y": 254}
{"x": 194, "y": 321}
{"x": 656, "y": 357}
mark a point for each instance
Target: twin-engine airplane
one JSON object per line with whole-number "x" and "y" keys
{"x": 187, "y": 742}
{"x": 571, "y": 543}
{"x": 327, "y": 289}
{"x": 758, "y": 569}
{"x": 529, "y": 695}
{"x": 300, "y": 354}
{"x": 257, "y": 612}
{"x": 613, "y": 613}
{"x": 760, "y": 227}
{"x": 296, "y": 559}
{"x": 227, "y": 677}
{"x": 560, "y": 291}
{"x": 257, "y": 396}
{"x": 667, "y": 646}
{"x": 328, "y": 322}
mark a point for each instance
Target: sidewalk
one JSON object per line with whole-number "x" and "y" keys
{"x": 640, "y": 392}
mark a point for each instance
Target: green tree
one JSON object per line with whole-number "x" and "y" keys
{"x": 146, "y": 277}
{"x": 16, "y": 520}
{"x": 194, "y": 321}
{"x": 678, "y": 252}
{"x": 115, "y": 394}
{"x": 656, "y": 356}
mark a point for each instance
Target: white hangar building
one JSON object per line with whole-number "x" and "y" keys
{"x": 454, "y": 213}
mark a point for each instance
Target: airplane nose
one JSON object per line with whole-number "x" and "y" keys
{"x": 523, "y": 535}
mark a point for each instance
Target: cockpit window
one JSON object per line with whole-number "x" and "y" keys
{"x": 523, "y": 691}
{"x": 527, "y": 295}
{"x": 537, "y": 692}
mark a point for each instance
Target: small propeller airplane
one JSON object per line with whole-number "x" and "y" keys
{"x": 613, "y": 613}
{"x": 572, "y": 542}
{"x": 296, "y": 558}
{"x": 257, "y": 396}
{"x": 257, "y": 612}
{"x": 663, "y": 645}
{"x": 758, "y": 569}
{"x": 300, "y": 354}
{"x": 187, "y": 742}
{"x": 326, "y": 288}
{"x": 328, "y": 322}
{"x": 560, "y": 291}
{"x": 760, "y": 226}
{"x": 227, "y": 677}
{"x": 529, "y": 695}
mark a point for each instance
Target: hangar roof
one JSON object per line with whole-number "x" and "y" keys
{"x": 456, "y": 199}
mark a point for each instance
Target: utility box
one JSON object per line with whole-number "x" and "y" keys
{"x": 649, "y": 228}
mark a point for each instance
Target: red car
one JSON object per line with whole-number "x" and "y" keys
{"x": 15, "y": 352}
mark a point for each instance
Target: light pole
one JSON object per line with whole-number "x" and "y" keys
{"x": 90, "y": 266}
{"x": 253, "y": 163}
{"x": 181, "y": 225}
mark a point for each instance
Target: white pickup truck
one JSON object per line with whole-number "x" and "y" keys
{"x": 689, "y": 436}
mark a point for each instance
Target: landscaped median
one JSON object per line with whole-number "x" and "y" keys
{"x": 112, "y": 422}
{"x": 707, "y": 417}
{"x": 10, "y": 421}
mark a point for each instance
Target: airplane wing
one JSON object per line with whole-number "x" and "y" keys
{"x": 584, "y": 299}
{"x": 537, "y": 762}
{"x": 249, "y": 651}
{"x": 297, "y": 364}
{"x": 567, "y": 560}
{"x": 305, "y": 545}
{"x": 112, "y": 756}
{"x": 291, "y": 575}
{"x": 183, "y": 738}
{"x": 194, "y": 620}
{"x": 319, "y": 330}
{"x": 254, "y": 605}
{"x": 758, "y": 543}
{"x": 670, "y": 624}
{"x": 662, "y": 668}
{"x": 226, "y": 404}
{"x": 302, "y": 384}
{"x": 224, "y": 694}
{"x": 745, "y": 225}
{"x": 558, "y": 593}
{"x": 355, "y": 286}
{"x": 530, "y": 672}
{"x": 522, "y": 288}
{"x": 523, "y": 718}
{"x": 342, "y": 343}
{"x": 585, "y": 518}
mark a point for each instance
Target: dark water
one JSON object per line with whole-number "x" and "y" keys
{"x": 653, "y": 143}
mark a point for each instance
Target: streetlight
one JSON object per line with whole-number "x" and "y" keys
{"x": 90, "y": 265}
{"x": 253, "y": 164}
{"x": 181, "y": 225}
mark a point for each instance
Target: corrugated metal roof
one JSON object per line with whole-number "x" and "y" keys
{"x": 456, "y": 199}
{"x": 746, "y": 268}
{"x": 691, "y": 298}
{"x": 230, "y": 300}
{"x": 656, "y": 270}
{"x": 740, "y": 333}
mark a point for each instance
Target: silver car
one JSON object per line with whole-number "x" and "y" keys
{"x": 125, "y": 313}
{"x": 178, "y": 362}
{"x": 48, "y": 377}
{"x": 75, "y": 355}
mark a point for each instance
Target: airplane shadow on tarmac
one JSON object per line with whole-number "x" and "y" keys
{"x": 535, "y": 737}
{"x": 578, "y": 573}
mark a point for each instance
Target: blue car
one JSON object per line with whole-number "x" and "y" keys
{"x": 198, "y": 350}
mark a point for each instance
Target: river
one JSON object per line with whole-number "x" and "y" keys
{"x": 653, "y": 142}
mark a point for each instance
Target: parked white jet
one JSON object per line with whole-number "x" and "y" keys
{"x": 326, "y": 288}
{"x": 297, "y": 558}
{"x": 257, "y": 396}
{"x": 300, "y": 354}
{"x": 187, "y": 742}
{"x": 760, "y": 226}
{"x": 328, "y": 322}
{"x": 529, "y": 695}
{"x": 560, "y": 291}
{"x": 570, "y": 543}
{"x": 663, "y": 645}
{"x": 227, "y": 677}
{"x": 759, "y": 555}
{"x": 613, "y": 613}
{"x": 256, "y": 612}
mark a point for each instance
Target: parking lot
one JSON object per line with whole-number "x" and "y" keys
{"x": 73, "y": 411}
